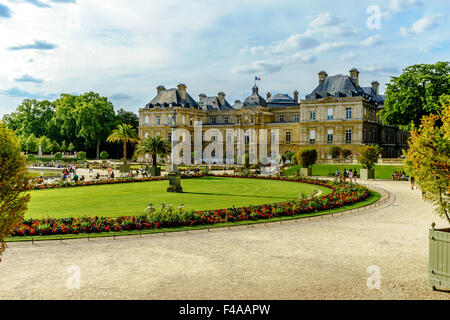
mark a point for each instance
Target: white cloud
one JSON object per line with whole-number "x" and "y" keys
{"x": 348, "y": 56}
{"x": 424, "y": 24}
{"x": 324, "y": 20}
{"x": 260, "y": 67}
{"x": 264, "y": 67}
{"x": 402, "y": 5}
{"x": 331, "y": 46}
{"x": 293, "y": 42}
{"x": 327, "y": 25}
{"x": 371, "y": 41}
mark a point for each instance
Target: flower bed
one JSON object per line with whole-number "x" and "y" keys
{"x": 169, "y": 216}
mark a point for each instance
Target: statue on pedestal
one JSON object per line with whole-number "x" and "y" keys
{"x": 174, "y": 174}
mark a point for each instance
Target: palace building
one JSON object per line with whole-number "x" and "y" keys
{"x": 337, "y": 112}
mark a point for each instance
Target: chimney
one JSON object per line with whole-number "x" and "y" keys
{"x": 375, "y": 86}
{"x": 159, "y": 89}
{"x": 268, "y": 95}
{"x": 322, "y": 75}
{"x": 182, "y": 90}
{"x": 354, "y": 74}
{"x": 221, "y": 97}
{"x": 296, "y": 96}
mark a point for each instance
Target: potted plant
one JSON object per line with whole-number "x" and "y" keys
{"x": 368, "y": 158}
{"x": 427, "y": 160}
{"x": 306, "y": 157}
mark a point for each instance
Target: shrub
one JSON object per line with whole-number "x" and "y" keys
{"x": 58, "y": 156}
{"x": 31, "y": 157}
{"x": 346, "y": 153}
{"x": 104, "y": 155}
{"x": 14, "y": 184}
{"x": 369, "y": 156}
{"x": 306, "y": 157}
{"x": 334, "y": 152}
{"x": 81, "y": 155}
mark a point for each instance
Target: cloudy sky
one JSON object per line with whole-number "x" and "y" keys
{"x": 125, "y": 49}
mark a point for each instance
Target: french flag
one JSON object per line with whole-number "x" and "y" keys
{"x": 256, "y": 78}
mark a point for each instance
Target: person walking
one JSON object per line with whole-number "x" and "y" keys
{"x": 355, "y": 173}
{"x": 350, "y": 175}
{"x": 411, "y": 179}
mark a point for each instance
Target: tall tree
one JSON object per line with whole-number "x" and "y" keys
{"x": 127, "y": 117}
{"x": 31, "y": 117}
{"x": 124, "y": 133}
{"x": 154, "y": 146}
{"x": 94, "y": 117}
{"x": 415, "y": 93}
{"x": 13, "y": 184}
{"x": 428, "y": 158}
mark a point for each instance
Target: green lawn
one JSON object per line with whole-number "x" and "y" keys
{"x": 381, "y": 171}
{"x": 132, "y": 198}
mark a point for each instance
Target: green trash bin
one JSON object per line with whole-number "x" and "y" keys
{"x": 439, "y": 258}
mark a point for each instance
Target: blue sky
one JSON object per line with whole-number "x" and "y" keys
{"x": 125, "y": 49}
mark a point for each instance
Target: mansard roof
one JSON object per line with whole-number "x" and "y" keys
{"x": 212, "y": 103}
{"x": 342, "y": 86}
{"x": 172, "y": 97}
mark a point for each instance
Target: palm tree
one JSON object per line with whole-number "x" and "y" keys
{"x": 124, "y": 133}
{"x": 155, "y": 146}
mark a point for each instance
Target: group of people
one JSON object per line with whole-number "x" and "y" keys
{"x": 396, "y": 175}
{"x": 347, "y": 174}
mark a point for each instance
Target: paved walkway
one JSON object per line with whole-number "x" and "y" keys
{"x": 322, "y": 259}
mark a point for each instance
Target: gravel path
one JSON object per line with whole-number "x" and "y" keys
{"x": 321, "y": 259}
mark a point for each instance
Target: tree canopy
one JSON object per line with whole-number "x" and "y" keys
{"x": 124, "y": 133}
{"x": 153, "y": 145}
{"x": 13, "y": 184}
{"x": 428, "y": 157}
{"x": 80, "y": 121}
{"x": 415, "y": 93}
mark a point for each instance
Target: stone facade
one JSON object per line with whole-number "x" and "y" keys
{"x": 338, "y": 112}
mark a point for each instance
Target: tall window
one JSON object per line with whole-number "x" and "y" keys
{"x": 169, "y": 120}
{"x": 312, "y": 136}
{"x": 296, "y": 117}
{"x": 330, "y": 114}
{"x": 330, "y": 136}
{"x": 288, "y": 137}
{"x": 348, "y": 113}
{"x": 169, "y": 136}
{"x": 158, "y": 120}
{"x": 312, "y": 115}
{"x": 225, "y": 119}
{"x": 281, "y": 117}
{"x": 190, "y": 121}
{"x": 348, "y": 135}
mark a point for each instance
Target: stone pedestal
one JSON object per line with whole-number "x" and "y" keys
{"x": 366, "y": 174}
{"x": 174, "y": 182}
{"x": 306, "y": 172}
